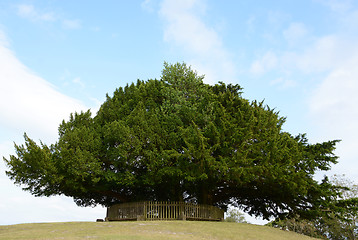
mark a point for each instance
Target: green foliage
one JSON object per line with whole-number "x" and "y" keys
{"x": 326, "y": 226}
{"x": 296, "y": 224}
{"x": 346, "y": 217}
{"x": 337, "y": 218}
{"x": 179, "y": 139}
{"x": 234, "y": 215}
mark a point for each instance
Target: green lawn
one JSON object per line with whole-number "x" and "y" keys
{"x": 155, "y": 230}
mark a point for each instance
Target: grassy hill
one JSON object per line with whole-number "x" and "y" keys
{"x": 145, "y": 230}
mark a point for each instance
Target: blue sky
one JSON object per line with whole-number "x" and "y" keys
{"x": 57, "y": 57}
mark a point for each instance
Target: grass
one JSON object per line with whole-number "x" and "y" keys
{"x": 145, "y": 230}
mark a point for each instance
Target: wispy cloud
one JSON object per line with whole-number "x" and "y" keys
{"x": 3, "y": 39}
{"x": 147, "y": 5}
{"x": 333, "y": 107}
{"x": 28, "y": 11}
{"x": 201, "y": 44}
{"x": 265, "y": 63}
{"x": 332, "y": 58}
{"x": 319, "y": 55}
{"x": 31, "y": 13}
{"x": 330, "y": 62}
{"x": 71, "y": 24}
{"x": 28, "y": 102}
{"x": 337, "y": 5}
{"x": 295, "y": 33}
{"x": 284, "y": 82}
{"x": 79, "y": 82}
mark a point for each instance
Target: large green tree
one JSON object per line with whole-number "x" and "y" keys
{"x": 182, "y": 140}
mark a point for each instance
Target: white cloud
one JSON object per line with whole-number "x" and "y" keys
{"x": 3, "y": 39}
{"x": 202, "y": 45}
{"x": 340, "y": 6}
{"x": 29, "y": 103}
{"x": 321, "y": 56}
{"x": 71, "y": 24}
{"x": 284, "y": 83}
{"x": 267, "y": 62}
{"x": 251, "y": 23}
{"x": 329, "y": 62}
{"x": 29, "y": 12}
{"x": 21, "y": 207}
{"x": 333, "y": 106}
{"x": 79, "y": 82}
{"x": 187, "y": 30}
{"x": 333, "y": 103}
{"x": 147, "y": 5}
{"x": 336, "y": 99}
{"x": 295, "y": 33}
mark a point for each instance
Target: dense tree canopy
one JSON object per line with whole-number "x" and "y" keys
{"x": 179, "y": 139}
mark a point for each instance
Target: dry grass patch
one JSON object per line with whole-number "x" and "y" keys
{"x": 155, "y": 230}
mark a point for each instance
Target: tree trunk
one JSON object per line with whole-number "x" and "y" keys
{"x": 206, "y": 195}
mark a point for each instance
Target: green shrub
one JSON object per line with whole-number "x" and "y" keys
{"x": 234, "y": 215}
